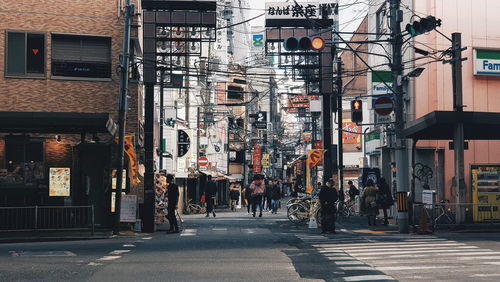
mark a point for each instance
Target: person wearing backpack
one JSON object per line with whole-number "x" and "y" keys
{"x": 258, "y": 189}
{"x": 384, "y": 197}
{"x": 234, "y": 195}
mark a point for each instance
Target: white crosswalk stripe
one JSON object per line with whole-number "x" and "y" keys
{"x": 372, "y": 258}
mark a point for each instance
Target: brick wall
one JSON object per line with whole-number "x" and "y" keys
{"x": 2, "y": 153}
{"x": 57, "y": 154}
{"x": 49, "y": 95}
{"x": 355, "y": 81}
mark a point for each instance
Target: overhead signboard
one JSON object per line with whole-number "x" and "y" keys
{"x": 300, "y": 10}
{"x": 183, "y": 143}
{"x": 486, "y": 62}
{"x": 261, "y": 120}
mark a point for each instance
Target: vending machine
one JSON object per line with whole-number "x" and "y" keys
{"x": 486, "y": 192}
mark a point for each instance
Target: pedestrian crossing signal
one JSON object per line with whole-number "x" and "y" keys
{"x": 357, "y": 111}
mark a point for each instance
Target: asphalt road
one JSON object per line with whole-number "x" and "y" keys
{"x": 237, "y": 247}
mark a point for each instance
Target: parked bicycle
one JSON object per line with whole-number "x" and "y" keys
{"x": 345, "y": 208}
{"x": 300, "y": 209}
{"x": 192, "y": 208}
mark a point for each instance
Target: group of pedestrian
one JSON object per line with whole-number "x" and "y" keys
{"x": 262, "y": 195}
{"x": 376, "y": 197}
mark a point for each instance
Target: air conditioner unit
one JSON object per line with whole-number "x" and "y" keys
{"x": 178, "y": 47}
{"x": 162, "y": 32}
{"x": 178, "y": 32}
{"x": 194, "y": 32}
{"x": 178, "y": 61}
{"x": 208, "y": 33}
{"x": 162, "y": 47}
{"x": 194, "y": 47}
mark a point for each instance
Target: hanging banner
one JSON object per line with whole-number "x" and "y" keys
{"x": 257, "y": 159}
{"x": 59, "y": 181}
{"x": 313, "y": 159}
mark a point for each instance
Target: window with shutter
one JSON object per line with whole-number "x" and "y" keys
{"x": 81, "y": 56}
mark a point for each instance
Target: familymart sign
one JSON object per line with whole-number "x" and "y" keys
{"x": 486, "y": 62}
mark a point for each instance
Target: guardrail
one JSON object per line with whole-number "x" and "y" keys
{"x": 444, "y": 214}
{"x": 47, "y": 218}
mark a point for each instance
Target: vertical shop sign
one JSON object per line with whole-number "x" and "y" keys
{"x": 257, "y": 158}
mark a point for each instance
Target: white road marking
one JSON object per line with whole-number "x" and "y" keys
{"x": 94, "y": 263}
{"x": 403, "y": 249}
{"x": 492, "y": 262}
{"x": 354, "y": 268}
{"x": 481, "y": 257}
{"x": 108, "y": 258}
{"x": 413, "y": 267}
{"x": 219, "y": 229}
{"x": 119, "y": 252}
{"x": 401, "y": 252}
{"x": 486, "y": 275}
{"x": 388, "y": 245}
{"x": 42, "y": 254}
{"x": 128, "y": 245}
{"x": 367, "y": 277}
{"x": 147, "y": 238}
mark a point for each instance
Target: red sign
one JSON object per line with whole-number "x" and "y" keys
{"x": 202, "y": 161}
{"x": 351, "y": 133}
{"x": 318, "y": 144}
{"x": 300, "y": 101}
{"x": 257, "y": 159}
{"x": 383, "y": 106}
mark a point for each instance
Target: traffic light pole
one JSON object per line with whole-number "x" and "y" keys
{"x": 401, "y": 156}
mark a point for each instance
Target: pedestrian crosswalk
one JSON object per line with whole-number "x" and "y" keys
{"x": 405, "y": 257}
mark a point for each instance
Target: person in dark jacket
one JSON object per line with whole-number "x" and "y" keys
{"x": 353, "y": 191}
{"x": 267, "y": 196}
{"x": 248, "y": 197}
{"x": 234, "y": 195}
{"x": 384, "y": 197}
{"x": 210, "y": 194}
{"x": 173, "y": 199}
{"x": 275, "y": 197}
{"x": 328, "y": 195}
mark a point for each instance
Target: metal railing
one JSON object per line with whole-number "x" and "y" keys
{"x": 47, "y": 218}
{"x": 444, "y": 214}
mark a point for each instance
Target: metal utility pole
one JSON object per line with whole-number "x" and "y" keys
{"x": 458, "y": 135}
{"x": 162, "y": 118}
{"x": 340, "y": 117}
{"x": 122, "y": 111}
{"x": 396, "y": 17}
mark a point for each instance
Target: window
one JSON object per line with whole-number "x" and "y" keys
{"x": 22, "y": 150}
{"x": 234, "y": 92}
{"x": 81, "y": 56}
{"x": 25, "y": 54}
{"x": 381, "y": 20}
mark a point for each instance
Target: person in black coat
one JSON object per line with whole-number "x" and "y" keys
{"x": 384, "y": 197}
{"x": 275, "y": 197}
{"x": 210, "y": 194}
{"x": 248, "y": 196}
{"x": 328, "y": 196}
{"x": 173, "y": 199}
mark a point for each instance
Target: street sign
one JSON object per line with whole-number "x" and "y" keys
{"x": 203, "y": 161}
{"x": 384, "y": 106}
{"x": 261, "y": 120}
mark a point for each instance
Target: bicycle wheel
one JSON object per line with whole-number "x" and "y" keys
{"x": 297, "y": 213}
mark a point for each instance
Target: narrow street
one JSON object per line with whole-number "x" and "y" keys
{"x": 234, "y": 246}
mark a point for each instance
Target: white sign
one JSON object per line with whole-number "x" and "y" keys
{"x": 299, "y": 10}
{"x": 59, "y": 181}
{"x": 128, "y": 208}
{"x": 486, "y": 62}
{"x": 428, "y": 197}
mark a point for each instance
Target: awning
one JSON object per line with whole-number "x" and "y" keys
{"x": 234, "y": 177}
{"x": 46, "y": 122}
{"x": 439, "y": 125}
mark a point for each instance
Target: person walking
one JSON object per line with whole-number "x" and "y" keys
{"x": 267, "y": 200}
{"x": 353, "y": 191}
{"x": 275, "y": 197}
{"x": 328, "y": 195}
{"x": 384, "y": 197}
{"x": 370, "y": 201}
{"x": 258, "y": 189}
{"x": 248, "y": 197}
{"x": 234, "y": 195}
{"x": 210, "y": 194}
{"x": 173, "y": 199}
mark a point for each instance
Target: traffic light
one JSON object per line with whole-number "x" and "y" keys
{"x": 357, "y": 111}
{"x": 424, "y": 25}
{"x": 313, "y": 43}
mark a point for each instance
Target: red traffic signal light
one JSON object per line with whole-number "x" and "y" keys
{"x": 357, "y": 111}
{"x": 305, "y": 43}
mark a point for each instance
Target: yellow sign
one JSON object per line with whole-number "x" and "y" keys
{"x": 313, "y": 158}
{"x": 130, "y": 151}
{"x": 265, "y": 161}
